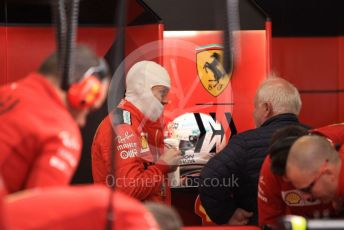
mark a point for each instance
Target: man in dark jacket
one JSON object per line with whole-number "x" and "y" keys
{"x": 229, "y": 181}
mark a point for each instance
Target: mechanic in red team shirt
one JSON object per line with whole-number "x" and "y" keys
{"x": 276, "y": 195}
{"x": 40, "y": 140}
{"x": 315, "y": 167}
{"x": 134, "y": 134}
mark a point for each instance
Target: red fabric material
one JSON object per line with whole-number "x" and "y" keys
{"x": 340, "y": 191}
{"x": 276, "y": 198}
{"x": 136, "y": 174}
{"x": 335, "y": 132}
{"x": 3, "y": 192}
{"x": 221, "y": 228}
{"x": 79, "y": 207}
{"x": 40, "y": 142}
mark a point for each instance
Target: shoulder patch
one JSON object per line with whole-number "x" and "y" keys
{"x": 120, "y": 116}
{"x": 126, "y": 117}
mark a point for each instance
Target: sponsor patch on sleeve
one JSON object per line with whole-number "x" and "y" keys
{"x": 144, "y": 142}
{"x": 126, "y": 117}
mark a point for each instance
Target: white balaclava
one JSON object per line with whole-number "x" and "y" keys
{"x": 140, "y": 79}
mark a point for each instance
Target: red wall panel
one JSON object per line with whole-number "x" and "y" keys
{"x": 311, "y": 63}
{"x": 315, "y": 67}
{"x": 22, "y": 49}
{"x": 27, "y": 47}
{"x": 319, "y": 109}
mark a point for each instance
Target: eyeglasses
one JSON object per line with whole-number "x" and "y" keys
{"x": 309, "y": 188}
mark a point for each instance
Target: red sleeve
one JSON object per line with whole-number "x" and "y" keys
{"x": 131, "y": 176}
{"x": 270, "y": 203}
{"x": 334, "y": 132}
{"x": 87, "y": 209}
{"x": 56, "y": 162}
{"x": 101, "y": 147}
{"x": 2, "y": 196}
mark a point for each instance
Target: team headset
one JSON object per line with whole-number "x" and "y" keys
{"x": 87, "y": 91}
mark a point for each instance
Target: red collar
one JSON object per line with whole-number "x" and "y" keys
{"x": 46, "y": 86}
{"x": 124, "y": 104}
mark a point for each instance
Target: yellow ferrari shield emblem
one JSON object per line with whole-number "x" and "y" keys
{"x": 210, "y": 70}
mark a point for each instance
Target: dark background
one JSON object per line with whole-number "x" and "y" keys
{"x": 290, "y": 17}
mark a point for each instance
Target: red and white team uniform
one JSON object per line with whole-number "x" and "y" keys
{"x": 40, "y": 142}
{"x": 277, "y": 197}
{"x": 133, "y": 136}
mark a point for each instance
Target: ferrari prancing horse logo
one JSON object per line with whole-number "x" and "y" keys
{"x": 210, "y": 69}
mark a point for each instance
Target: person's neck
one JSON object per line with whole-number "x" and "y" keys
{"x": 59, "y": 91}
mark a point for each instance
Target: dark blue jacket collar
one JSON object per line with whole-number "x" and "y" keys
{"x": 281, "y": 117}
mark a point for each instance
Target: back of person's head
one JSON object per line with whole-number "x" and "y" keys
{"x": 308, "y": 153}
{"x": 84, "y": 59}
{"x": 282, "y": 95}
{"x": 140, "y": 79}
{"x": 280, "y": 144}
{"x": 167, "y": 217}
{"x": 87, "y": 84}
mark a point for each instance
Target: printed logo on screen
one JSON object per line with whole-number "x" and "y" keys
{"x": 210, "y": 69}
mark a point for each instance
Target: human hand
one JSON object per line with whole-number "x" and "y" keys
{"x": 240, "y": 217}
{"x": 171, "y": 157}
{"x": 171, "y": 143}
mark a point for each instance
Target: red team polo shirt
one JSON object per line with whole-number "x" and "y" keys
{"x": 40, "y": 143}
{"x": 335, "y": 132}
{"x": 277, "y": 197}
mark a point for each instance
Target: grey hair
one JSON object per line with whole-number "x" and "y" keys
{"x": 283, "y": 96}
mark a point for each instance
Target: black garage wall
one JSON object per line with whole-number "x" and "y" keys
{"x": 203, "y": 14}
{"x": 289, "y": 17}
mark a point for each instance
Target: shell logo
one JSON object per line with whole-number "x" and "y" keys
{"x": 292, "y": 198}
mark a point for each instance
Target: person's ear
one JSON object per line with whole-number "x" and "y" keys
{"x": 268, "y": 110}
